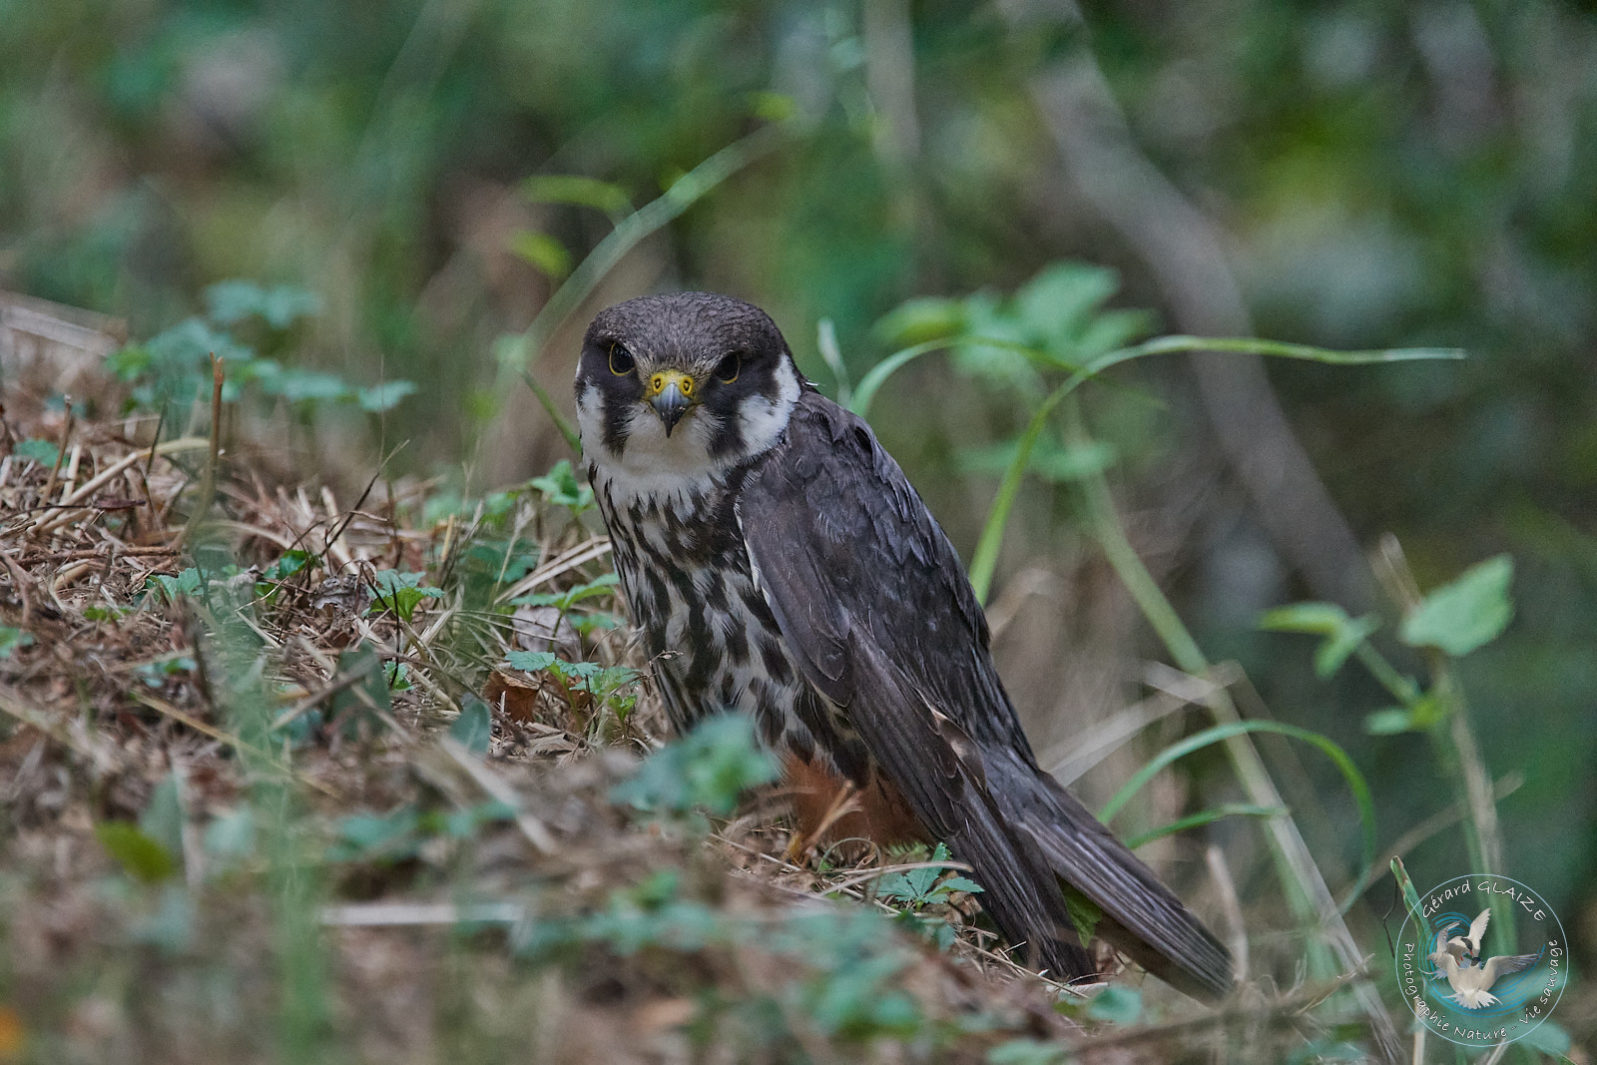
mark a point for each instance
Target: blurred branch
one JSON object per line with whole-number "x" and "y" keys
{"x": 1186, "y": 256}
{"x": 890, "y": 77}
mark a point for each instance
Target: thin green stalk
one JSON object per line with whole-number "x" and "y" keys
{"x": 1400, "y": 687}
{"x": 985, "y": 561}
{"x": 1453, "y": 740}
{"x": 1305, "y": 889}
{"x": 1204, "y": 817}
{"x": 552, "y": 409}
{"x": 520, "y": 351}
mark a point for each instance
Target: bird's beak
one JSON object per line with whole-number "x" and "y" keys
{"x": 670, "y": 393}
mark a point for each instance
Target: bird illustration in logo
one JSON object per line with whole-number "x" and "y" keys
{"x": 1469, "y": 944}
{"x": 1457, "y": 958}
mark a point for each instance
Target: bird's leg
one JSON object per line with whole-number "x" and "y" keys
{"x": 810, "y": 831}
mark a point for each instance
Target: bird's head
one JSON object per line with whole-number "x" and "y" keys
{"x": 685, "y": 383}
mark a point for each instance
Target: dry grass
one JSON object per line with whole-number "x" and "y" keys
{"x": 249, "y": 728}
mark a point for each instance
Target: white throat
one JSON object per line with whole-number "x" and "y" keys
{"x": 654, "y": 464}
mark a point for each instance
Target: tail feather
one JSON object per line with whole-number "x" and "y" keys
{"x": 1140, "y": 916}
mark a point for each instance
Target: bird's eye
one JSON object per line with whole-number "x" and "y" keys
{"x": 727, "y": 370}
{"x": 621, "y": 362}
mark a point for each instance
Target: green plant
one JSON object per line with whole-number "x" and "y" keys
{"x": 1449, "y": 622}
{"x": 585, "y": 621}
{"x": 608, "y": 687}
{"x": 401, "y": 592}
{"x": 710, "y": 767}
{"x": 13, "y": 639}
{"x": 1054, "y": 326}
{"x": 243, "y": 323}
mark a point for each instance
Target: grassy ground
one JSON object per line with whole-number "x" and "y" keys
{"x": 297, "y": 773}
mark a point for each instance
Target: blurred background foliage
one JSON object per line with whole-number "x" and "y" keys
{"x": 1344, "y": 173}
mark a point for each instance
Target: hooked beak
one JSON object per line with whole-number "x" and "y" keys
{"x": 670, "y": 393}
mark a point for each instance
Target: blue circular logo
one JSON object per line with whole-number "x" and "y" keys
{"x": 1484, "y": 961}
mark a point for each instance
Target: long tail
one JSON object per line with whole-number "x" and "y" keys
{"x": 1139, "y": 915}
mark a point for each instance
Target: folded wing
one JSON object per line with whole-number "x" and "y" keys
{"x": 874, "y": 604}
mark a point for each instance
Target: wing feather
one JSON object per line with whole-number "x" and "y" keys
{"x": 874, "y": 605}
{"x": 1477, "y": 930}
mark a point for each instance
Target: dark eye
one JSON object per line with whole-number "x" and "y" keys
{"x": 621, "y": 362}
{"x": 726, "y": 371}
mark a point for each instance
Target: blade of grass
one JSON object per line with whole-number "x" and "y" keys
{"x": 1219, "y": 733}
{"x": 520, "y": 352}
{"x": 1333, "y": 951}
{"x": 1205, "y": 817}
{"x": 877, "y": 376}
{"x": 985, "y": 560}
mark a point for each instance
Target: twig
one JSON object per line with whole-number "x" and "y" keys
{"x": 338, "y": 684}
{"x": 1231, "y": 906}
{"x": 570, "y": 560}
{"x": 213, "y": 460}
{"x": 495, "y": 786}
{"x": 19, "y": 577}
{"x": 61, "y": 452}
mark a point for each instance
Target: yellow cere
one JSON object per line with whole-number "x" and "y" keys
{"x": 658, "y": 382}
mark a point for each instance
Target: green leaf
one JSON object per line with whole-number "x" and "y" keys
{"x": 1389, "y": 721}
{"x": 389, "y": 837}
{"x": 1116, "y": 1005}
{"x": 578, "y": 190}
{"x": 303, "y": 386}
{"x": 1423, "y": 714}
{"x": 44, "y": 452}
{"x": 230, "y": 302}
{"x": 187, "y": 346}
{"x": 140, "y": 856}
{"x": 401, "y": 591}
{"x": 1466, "y": 613}
{"x": 287, "y": 564}
{"x": 1084, "y": 913}
{"x": 13, "y": 639}
{"x": 711, "y": 767}
{"x": 919, "y": 320}
{"x": 561, "y": 487}
{"x": 474, "y": 727}
{"x": 1343, "y": 635}
{"x": 376, "y": 399}
{"x": 531, "y": 661}
{"x": 163, "y": 817}
{"x": 187, "y": 582}
{"x": 604, "y": 584}
{"x": 1061, "y": 300}
{"x": 544, "y": 252}
{"x": 1320, "y": 619}
{"x": 1340, "y": 645}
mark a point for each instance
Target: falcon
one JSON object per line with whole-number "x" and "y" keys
{"x": 779, "y": 564}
